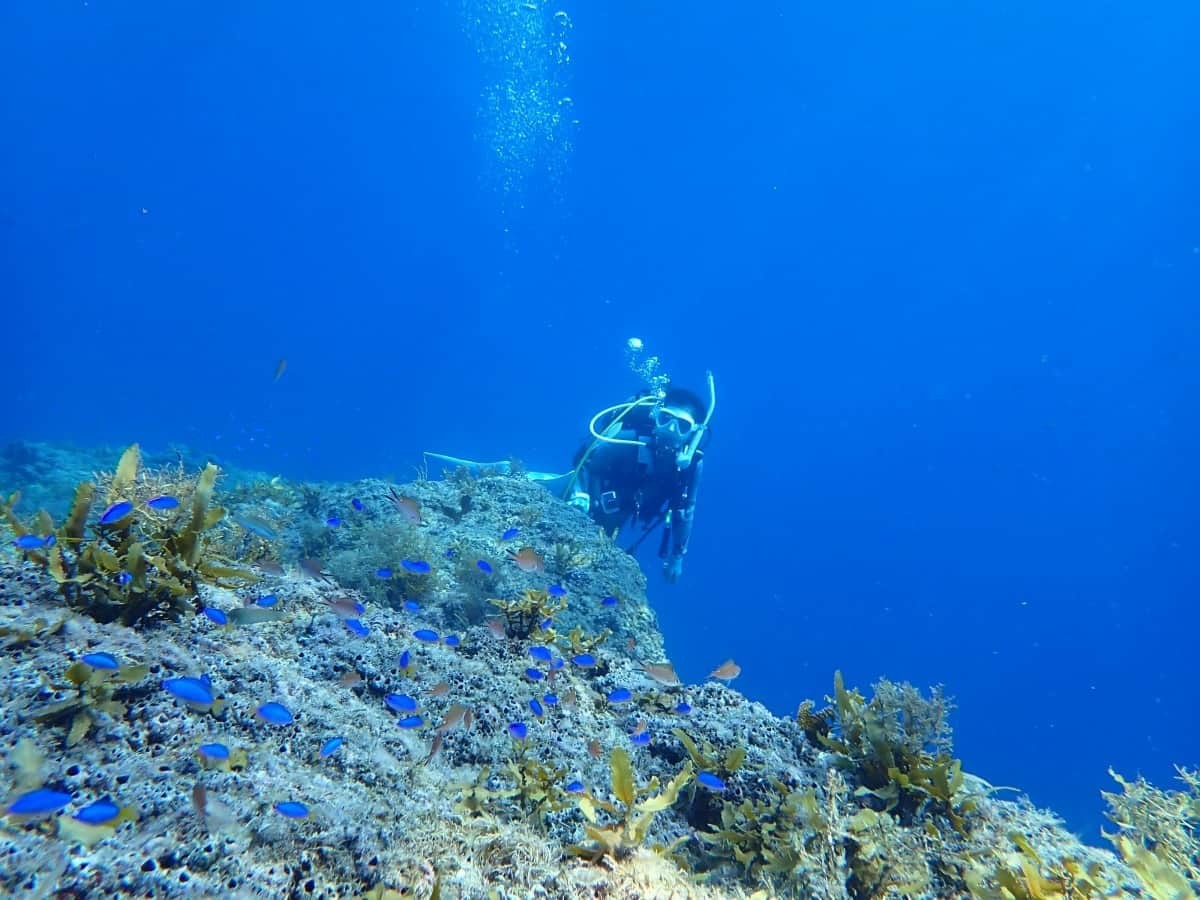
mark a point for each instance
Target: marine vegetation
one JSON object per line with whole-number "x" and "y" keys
{"x": 896, "y": 748}
{"x": 529, "y": 611}
{"x": 1159, "y": 832}
{"x": 626, "y": 823}
{"x": 95, "y": 687}
{"x": 146, "y": 555}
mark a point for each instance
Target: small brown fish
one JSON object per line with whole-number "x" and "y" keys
{"x": 456, "y": 715}
{"x": 312, "y": 568}
{"x": 594, "y": 748}
{"x": 434, "y": 747}
{"x": 280, "y": 367}
{"x": 663, "y": 673}
{"x": 408, "y": 507}
{"x": 640, "y": 728}
{"x": 350, "y": 679}
{"x": 200, "y": 804}
{"x": 630, "y": 644}
{"x": 269, "y": 567}
{"x": 528, "y": 560}
{"x": 726, "y": 671}
{"x": 468, "y": 720}
{"x": 496, "y": 627}
{"x": 441, "y": 689}
{"x": 344, "y": 607}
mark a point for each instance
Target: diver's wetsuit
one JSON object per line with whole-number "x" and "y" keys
{"x": 630, "y": 483}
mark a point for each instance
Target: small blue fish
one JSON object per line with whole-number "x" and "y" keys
{"x": 534, "y": 674}
{"x": 384, "y": 573}
{"x": 556, "y": 590}
{"x": 124, "y": 578}
{"x": 274, "y": 714}
{"x": 550, "y": 699}
{"x": 546, "y": 624}
{"x": 163, "y": 503}
{"x": 641, "y": 739}
{"x": 416, "y": 566}
{"x": 30, "y": 542}
{"x": 218, "y": 752}
{"x": 620, "y": 695}
{"x": 518, "y": 731}
{"x": 357, "y": 504}
{"x": 216, "y": 615}
{"x": 683, "y": 707}
{"x": 292, "y": 809}
{"x": 357, "y": 628}
{"x": 405, "y": 659}
{"x": 510, "y": 533}
{"x": 484, "y": 566}
{"x": 401, "y": 702}
{"x": 116, "y": 512}
{"x": 541, "y": 654}
{"x": 99, "y": 813}
{"x": 411, "y": 606}
{"x": 584, "y": 660}
{"x": 40, "y": 802}
{"x": 710, "y": 781}
{"x": 536, "y": 708}
{"x": 334, "y": 522}
{"x": 452, "y": 640}
{"x": 411, "y": 722}
{"x": 575, "y": 787}
{"x": 557, "y": 663}
{"x": 609, "y": 601}
{"x": 104, "y": 661}
{"x": 192, "y": 691}
{"x": 426, "y": 634}
{"x": 266, "y": 601}
{"x": 451, "y": 553}
{"x": 330, "y": 747}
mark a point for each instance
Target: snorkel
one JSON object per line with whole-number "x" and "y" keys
{"x": 684, "y": 457}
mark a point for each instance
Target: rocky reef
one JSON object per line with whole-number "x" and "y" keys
{"x": 242, "y": 687}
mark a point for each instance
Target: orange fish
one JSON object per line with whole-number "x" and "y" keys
{"x": 441, "y": 689}
{"x": 726, "y": 671}
{"x": 594, "y": 748}
{"x": 280, "y": 367}
{"x": 496, "y": 627}
{"x": 640, "y": 729}
{"x": 663, "y": 673}
{"x": 528, "y": 560}
{"x": 408, "y": 507}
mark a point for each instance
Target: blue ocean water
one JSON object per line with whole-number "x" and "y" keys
{"x": 943, "y": 259}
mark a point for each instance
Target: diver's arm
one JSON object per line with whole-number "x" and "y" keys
{"x": 681, "y": 518}
{"x": 682, "y": 513}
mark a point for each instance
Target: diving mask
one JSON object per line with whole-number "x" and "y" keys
{"x": 680, "y": 421}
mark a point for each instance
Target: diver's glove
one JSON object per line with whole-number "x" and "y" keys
{"x": 581, "y": 500}
{"x": 673, "y": 568}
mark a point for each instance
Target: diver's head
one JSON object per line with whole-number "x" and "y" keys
{"x": 676, "y": 419}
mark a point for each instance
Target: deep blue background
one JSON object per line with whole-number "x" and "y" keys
{"x": 943, "y": 258}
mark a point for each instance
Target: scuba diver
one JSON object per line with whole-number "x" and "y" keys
{"x": 642, "y": 466}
